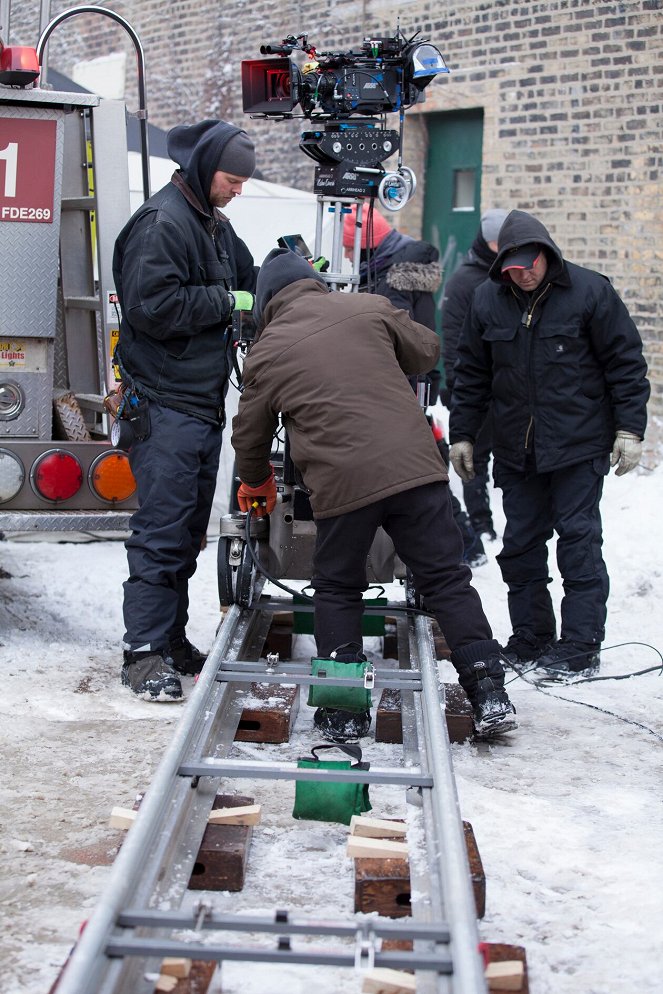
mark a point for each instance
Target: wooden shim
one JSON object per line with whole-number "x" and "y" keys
{"x": 249, "y": 814}
{"x": 176, "y": 966}
{"x": 505, "y": 976}
{"x": 384, "y": 981}
{"x": 376, "y": 828}
{"x": 165, "y": 984}
{"x": 122, "y": 818}
{"x": 359, "y": 846}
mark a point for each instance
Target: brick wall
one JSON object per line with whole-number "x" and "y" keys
{"x": 571, "y": 92}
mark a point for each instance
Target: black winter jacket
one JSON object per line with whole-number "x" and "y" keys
{"x": 407, "y": 272}
{"x": 174, "y": 262}
{"x": 456, "y": 301}
{"x": 563, "y": 366}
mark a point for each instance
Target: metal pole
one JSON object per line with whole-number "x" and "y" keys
{"x": 140, "y": 61}
{"x": 460, "y": 909}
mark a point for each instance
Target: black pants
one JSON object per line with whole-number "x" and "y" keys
{"x": 536, "y": 505}
{"x": 175, "y": 470}
{"x": 475, "y": 492}
{"x": 421, "y": 526}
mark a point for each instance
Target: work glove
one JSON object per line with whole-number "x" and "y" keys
{"x": 627, "y": 451}
{"x": 261, "y": 499}
{"x": 240, "y": 300}
{"x": 460, "y": 454}
{"x": 321, "y": 265}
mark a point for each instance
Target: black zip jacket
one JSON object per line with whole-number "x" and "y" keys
{"x": 174, "y": 262}
{"x": 563, "y": 365}
{"x": 456, "y": 301}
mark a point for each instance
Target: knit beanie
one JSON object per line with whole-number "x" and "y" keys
{"x": 381, "y": 228}
{"x": 238, "y": 157}
{"x": 491, "y": 222}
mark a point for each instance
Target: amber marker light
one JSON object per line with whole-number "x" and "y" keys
{"x": 110, "y": 477}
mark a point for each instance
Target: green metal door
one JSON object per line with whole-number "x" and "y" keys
{"x": 452, "y": 208}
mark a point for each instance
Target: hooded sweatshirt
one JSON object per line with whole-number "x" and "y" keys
{"x": 563, "y": 365}
{"x": 334, "y": 366}
{"x": 174, "y": 262}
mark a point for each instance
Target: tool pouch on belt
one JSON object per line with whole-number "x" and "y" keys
{"x": 353, "y": 699}
{"x": 323, "y": 800}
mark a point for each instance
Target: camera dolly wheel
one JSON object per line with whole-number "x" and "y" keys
{"x": 236, "y": 569}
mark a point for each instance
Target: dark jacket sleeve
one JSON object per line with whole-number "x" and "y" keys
{"x": 472, "y": 378}
{"x": 455, "y": 305}
{"x": 618, "y": 346}
{"x": 159, "y": 297}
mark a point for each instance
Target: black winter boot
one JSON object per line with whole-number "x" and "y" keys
{"x": 565, "y": 659}
{"x": 524, "y": 647}
{"x": 336, "y": 724}
{"x": 482, "y": 679}
{"x": 186, "y": 658}
{"x": 150, "y": 675}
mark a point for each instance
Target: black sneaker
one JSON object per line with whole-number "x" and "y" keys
{"x": 493, "y": 711}
{"x": 565, "y": 659}
{"x": 524, "y": 647}
{"x": 474, "y": 553}
{"x": 186, "y": 658}
{"x": 342, "y": 726}
{"x": 484, "y": 528}
{"x": 150, "y": 675}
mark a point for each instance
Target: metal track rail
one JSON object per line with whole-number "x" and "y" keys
{"x": 131, "y": 929}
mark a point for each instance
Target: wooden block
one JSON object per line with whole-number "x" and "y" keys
{"x": 458, "y": 712}
{"x": 223, "y": 853}
{"x": 384, "y": 981}
{"x": 388, "y": 720}
{"x": 359, "y": 846}
{"x": 270, "y": 714}
{"x": 500, "y": 952}
{"x": 165, "y": 984}
{"x": 377, "y": 828}
{"x": 248, "y": 814}
{"x": 176, "y": 966}
{"x": 383, "y": 886}
{"x": 122, "y": 818}
{"x": 199, "y": 978}
{"x": 279, "y": 636}
{"x": 505, "y": 976}
{"x": 477, "y": 875}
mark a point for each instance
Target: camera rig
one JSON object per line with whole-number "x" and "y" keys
{"x": 387, "y": 75}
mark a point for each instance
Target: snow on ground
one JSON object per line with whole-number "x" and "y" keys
{"x": 567, "y": 813}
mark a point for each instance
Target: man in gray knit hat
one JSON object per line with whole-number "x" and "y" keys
{"x": 180, "y": 272}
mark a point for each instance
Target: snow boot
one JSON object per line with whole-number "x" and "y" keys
{"x": 336, "y": 724}
{"x": 481, "y": 675}
{"x": 524, "y": 647}
{"x": 150, "y": 674}
{"x": 186, "y": 658}
{"x": 566, "y": 659}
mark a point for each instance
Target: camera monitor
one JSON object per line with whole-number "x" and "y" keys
{"x": 296, "y": 243}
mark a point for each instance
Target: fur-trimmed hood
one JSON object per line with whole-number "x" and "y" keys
{"x": 424, "y": 277}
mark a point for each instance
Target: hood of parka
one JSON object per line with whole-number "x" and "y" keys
{"x": 197, "y": 149}
{"x": 281, "y": 268}
{"x": 520, "y": 228}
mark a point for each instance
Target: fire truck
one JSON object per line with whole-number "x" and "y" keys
{"x": 64, "y": 197}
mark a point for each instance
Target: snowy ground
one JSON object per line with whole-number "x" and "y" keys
{"x": 567, "y": 814}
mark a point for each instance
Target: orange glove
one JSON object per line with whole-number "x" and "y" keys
{"x": 261, "y": 499}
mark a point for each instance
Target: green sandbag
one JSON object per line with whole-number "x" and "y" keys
{"x": 353, "y": 699}
{"x": 324, "y": 800}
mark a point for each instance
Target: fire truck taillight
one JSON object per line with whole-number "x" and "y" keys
{"x": 110, "y": 477}
{"x": 56, "y": 475}
{"x": 12, "y": 475}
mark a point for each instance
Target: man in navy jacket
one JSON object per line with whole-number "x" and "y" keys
{"x": 552, "y": 347}
{"x": 180, "y": 272}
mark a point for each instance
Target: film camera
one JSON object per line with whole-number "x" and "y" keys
{"x": 387, "y": 75}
